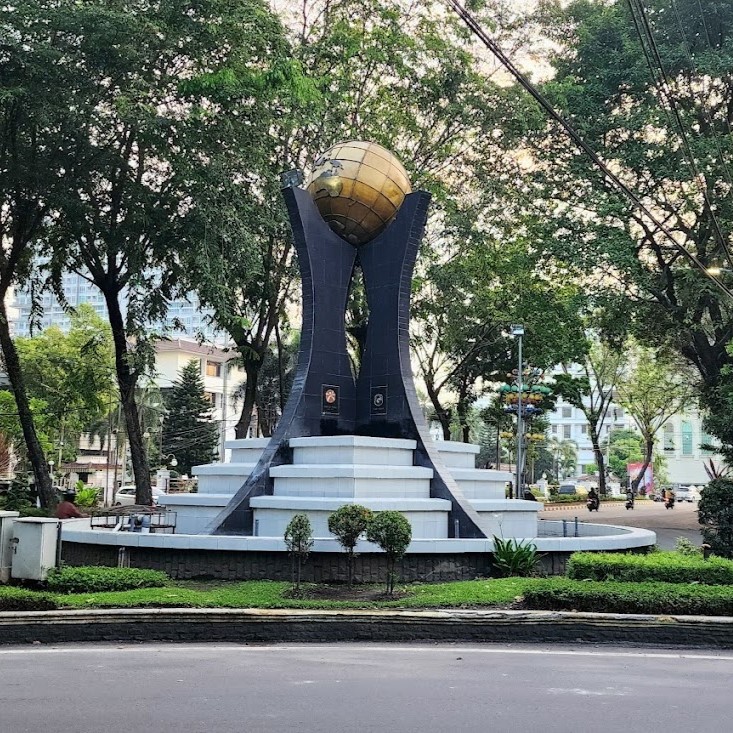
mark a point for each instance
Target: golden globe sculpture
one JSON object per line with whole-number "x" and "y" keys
{"x": 358, "y": 188}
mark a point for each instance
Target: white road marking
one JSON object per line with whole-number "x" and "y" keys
{"x": 448, "y": 648}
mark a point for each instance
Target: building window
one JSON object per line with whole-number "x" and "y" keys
{"x": 554, "y": 429}
{"x": 211, "y": 397}
{"x": 566, "y": 432}
{"x": 669, "y": 446}
{"x": 707, "y": 444}
{"x": 567, "y": 411}
{"x": 584, "y": 430}
{"x": 213, "y": 368}
{"x": 686, "y": 438}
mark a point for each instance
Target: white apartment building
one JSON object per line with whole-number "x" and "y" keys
{"x": 221, "y": 379}
{"x": 680, "y": 440}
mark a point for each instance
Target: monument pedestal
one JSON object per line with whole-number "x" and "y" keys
{"x": 329, "y": 471}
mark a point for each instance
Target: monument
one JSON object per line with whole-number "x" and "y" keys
{"x": 358, "y": 208}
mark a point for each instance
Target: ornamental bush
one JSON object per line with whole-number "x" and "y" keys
{"x": 299, "y": 541}
{"x": 348, "y": 523}
{"x": 666, "y": 567}
{"x": 558, "y": 594}
{"x": 715, "y": 514}
{"x": 512, "y": 558}
{"x": 19, "y": 599}
{"x": 393, "y": 533}
{"x": 101, "y": 579}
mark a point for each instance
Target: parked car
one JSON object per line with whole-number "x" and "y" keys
{"x": 687, "y": 493}
{"x": 125, "y": 495}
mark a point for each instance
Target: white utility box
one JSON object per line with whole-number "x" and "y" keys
{"x": 35, "y": 547}
{"x": 6, "y": 549}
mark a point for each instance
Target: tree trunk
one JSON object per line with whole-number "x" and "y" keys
{"x": 126, "y": 381}
{"x": 44, "y": 485}
{"x": 600, "y": 461}
{"x": 648, "y": 451}
{"x": 441, "y": 412}
{"x": 252, "y": 372}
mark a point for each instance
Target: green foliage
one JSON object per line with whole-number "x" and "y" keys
{"x": 392, "y": 533}
{"x": 514, "y": 558}
{"x": 87, "y": 497}
{"x": 666, "y": 567}
{"x": 189, "y": 432}
{"x": 715, "y": 514}
{"x": 684, "y": 547}
{"x": 19, "y": 599}
{"x": 349, "y": 523}
{"x": 299, "y": 541}
{"x": 565, "y": 498}
{"x": 626, "y": 447}
{"x": 558, "y": 594}
{"x": 18, "y": 497}
{"x": 102, "y": 579}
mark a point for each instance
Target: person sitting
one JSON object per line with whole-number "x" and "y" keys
{"x": 67, "y": 509}
{"x": 593, "y": 497}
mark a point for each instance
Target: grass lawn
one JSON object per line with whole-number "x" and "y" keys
{"x": 270, "y": 594}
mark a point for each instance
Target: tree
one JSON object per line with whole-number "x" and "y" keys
{"x": 392, "y": 532}
{"x": 626, "y": 446}
{"x": 72, "y": 373}
{"x": 715, "y": 514}
{"x": 653, "y": 389}
{"x": 299, "y": 541}
{"x": 565, "y": 457}
{"x": 592, "y": 392}
{"x": 160, "y": 94}
{"x": 670, "y": 142}
{"x": 189, "y": 432}
{"x": 349, "y": 523}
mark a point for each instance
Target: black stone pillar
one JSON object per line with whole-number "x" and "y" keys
{"x": 322, "y": 400}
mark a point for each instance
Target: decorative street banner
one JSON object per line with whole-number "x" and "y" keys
{"x": 647, "y": 480}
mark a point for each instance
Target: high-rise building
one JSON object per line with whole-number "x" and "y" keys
{"x": 188, "y": 312}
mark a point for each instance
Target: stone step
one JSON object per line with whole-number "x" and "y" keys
{"x": 356, "y": 449}
{"x": 508, "y": 517}
{"x": 222, "y": 478}
{"x": 427, "y": 517}
{"x": 477, "y": 483}
{"x": 458, "y": 455}
{"x": 352, "y": 481}
{"x": 246, "y": 450}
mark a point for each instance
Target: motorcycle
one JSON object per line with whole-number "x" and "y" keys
{"x": 669, "y": 504}
{"x": 629, "y": 501}
{"x": 593, "y": 503}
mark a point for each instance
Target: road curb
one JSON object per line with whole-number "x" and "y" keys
{"x": 281, "y": 625}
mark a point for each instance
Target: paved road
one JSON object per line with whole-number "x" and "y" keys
{"x": 362, "y": 688}
{"x": 669, "y": 524}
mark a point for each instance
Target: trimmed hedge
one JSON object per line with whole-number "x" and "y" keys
{"x": 102, "y": 580}
{"x": 664, "y": 567}
{"x": 19, "y": 599}
{"x": 653, "y": 598}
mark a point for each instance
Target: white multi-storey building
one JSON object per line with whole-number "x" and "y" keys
{"x": 681, "y": 440}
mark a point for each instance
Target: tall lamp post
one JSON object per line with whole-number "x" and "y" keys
{"x": 517, "y": 330}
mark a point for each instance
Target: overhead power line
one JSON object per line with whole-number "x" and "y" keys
{"x": 609, "y": 175}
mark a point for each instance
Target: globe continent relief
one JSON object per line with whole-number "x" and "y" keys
{"x": 358, "y": 188}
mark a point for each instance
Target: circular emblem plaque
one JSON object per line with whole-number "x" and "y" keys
{"x": 330, "y": 396}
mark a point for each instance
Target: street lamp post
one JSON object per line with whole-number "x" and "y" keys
{"x": 518, "y": 331}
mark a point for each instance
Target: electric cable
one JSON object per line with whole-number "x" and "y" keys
{"x": 609, "y": 176}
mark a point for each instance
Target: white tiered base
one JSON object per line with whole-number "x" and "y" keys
{"x": 328, "y": 472}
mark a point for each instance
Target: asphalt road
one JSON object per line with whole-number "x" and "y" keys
{"x": 365, "y": 688}
{"x": 669, "y": 524}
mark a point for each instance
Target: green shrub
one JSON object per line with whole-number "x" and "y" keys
{"x": 101, "y": 579}
{"x": 87, "y": 497}
{"x": 715, "y": 514}
{"x": 683, "y": 546}
{"x": 513, "y": 558}
{"x": 566, "y": 498}
{"x": 299, "y": 541}
{"x": 393, "y": 533}
{"x": 665, "y": 567}
{"x": 558, "y": 594}
{"x": 19, "y": 599}
{"x": 349, "y": 523}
